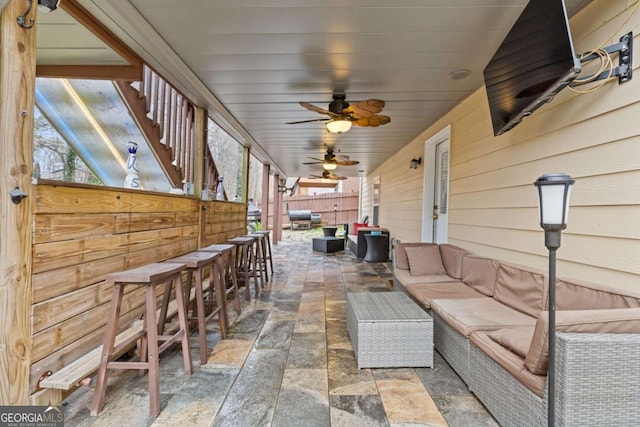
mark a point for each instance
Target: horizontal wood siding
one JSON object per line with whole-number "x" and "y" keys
{"x": 81, "y": 234}
{"x": 593, "y": 137}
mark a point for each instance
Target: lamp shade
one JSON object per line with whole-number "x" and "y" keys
{"x": 338, "y": 125}
{"x": 554, "y": 192}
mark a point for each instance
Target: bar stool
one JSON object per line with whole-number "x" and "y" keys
{"x": 197, "y": 263}
{"x": 261, "y": 256}
{"x": 267, "y": 235}
{"x": 244, "y": 247}
{"x": 226, "y": 266}
{"x": 254, "y": 259}
{"x": 150, "y": 276}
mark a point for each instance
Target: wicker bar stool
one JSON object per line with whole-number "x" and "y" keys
{"x": 197, "y": 263}
{"x": 226, "y": 267}
{"x": 244, "y": 247}
{"x": 267, "y": 235}
{"x": 261, "y": 256}
{"x": 150, "y": 276}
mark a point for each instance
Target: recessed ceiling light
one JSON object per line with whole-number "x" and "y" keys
{"x": 460, "y": 74}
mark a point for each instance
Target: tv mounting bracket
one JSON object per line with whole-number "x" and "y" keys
{"x": 624, "y": 69}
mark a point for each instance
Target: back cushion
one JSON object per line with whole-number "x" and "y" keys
{"x": 452, "y": 259}
{"x": 577, "y": 295}
{"x": 520, "y": 288}
{"x": 401, "y": 255}
{"x": 480, "y": 273}
{"x": 357, "y": 225}
{"x": 425, "y": 260}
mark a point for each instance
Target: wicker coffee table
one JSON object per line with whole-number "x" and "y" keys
{"x": 389, "y": 330}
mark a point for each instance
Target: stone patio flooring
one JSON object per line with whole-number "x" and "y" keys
{"x": 288, "y": 361}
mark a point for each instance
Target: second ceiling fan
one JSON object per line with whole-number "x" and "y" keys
{"x": 342, "y": 114}
{"x": 332, "y": 160}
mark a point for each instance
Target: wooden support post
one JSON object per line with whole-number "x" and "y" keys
{"x": 17, "y": 88}
{"x": 199, "y": 166}
{"x": 277, "y": 218}
{"x": 265, "y": 197}
{"x": 200, "y": 141}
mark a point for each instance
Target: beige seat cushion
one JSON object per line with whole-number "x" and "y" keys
{"x": 474, "y": 314}
{"x": 425, "y": 260}
{"x": 610, "y": 321}
{"x": 424, "y": 293}
{"x": 405, "y": 278}
{"x": 517, "y": 340}
{"x": 510, "y": 361}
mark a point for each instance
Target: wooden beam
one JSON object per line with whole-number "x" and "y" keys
{"x": 265, "y": 196}
{"x": 80, "y": 14}
{"x": 17, "y": 91}
{"x": 277, "y": 204}
{"x": 200, "y": 132}
{"x": 94, "y": 72}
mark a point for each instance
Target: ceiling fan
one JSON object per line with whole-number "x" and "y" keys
{"x": 342, "y": 114}
{"x": 331, "y": 161}
{"x": 327, "y": 175}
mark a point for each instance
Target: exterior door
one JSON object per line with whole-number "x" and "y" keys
{"x": 441, "y": 192}
{"x": 435, "y": 198}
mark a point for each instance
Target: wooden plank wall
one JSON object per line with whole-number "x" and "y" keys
{"x": 81, "y": 234}
{"x": 223, "y": 221}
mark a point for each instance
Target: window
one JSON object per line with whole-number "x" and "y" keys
{"x": 229, "y": 157}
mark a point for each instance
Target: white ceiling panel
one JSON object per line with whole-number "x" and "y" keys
{"x": 251, "y": 62}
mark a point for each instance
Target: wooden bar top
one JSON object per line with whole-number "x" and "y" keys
{"x": 195, "y": 259}
{"x": 148, "y": 273}
{"x": 217, "y": 248}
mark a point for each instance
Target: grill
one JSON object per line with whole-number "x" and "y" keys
{"x": 303, "y": 217}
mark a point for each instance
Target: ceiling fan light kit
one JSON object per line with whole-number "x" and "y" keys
{"x": 329, "y": 166}
{"x": 338, "y": 125}
{"x": 343, "y": 115}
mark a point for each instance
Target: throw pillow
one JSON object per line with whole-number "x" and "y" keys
{"x": 425, "y": 260}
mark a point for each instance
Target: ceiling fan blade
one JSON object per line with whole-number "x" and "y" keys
{"x": 372, "y": 121}
{"x": 312, "y": 163}
{"x": 307, "y": 121}
{"x": 336, "y": 177}
{"x": 316, "y": 109}
{"x": 366, "y": 108}
{"x": 346, "y": 162}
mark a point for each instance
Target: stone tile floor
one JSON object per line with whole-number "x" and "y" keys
{"x": 288, "y": 361}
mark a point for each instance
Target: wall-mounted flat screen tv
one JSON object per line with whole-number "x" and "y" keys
{"x": 534, "y": 62}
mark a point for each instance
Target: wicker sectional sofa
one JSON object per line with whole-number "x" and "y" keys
{"x": 491, "y": 325}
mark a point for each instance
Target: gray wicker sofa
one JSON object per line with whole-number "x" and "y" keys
{"x": 491, "y": 323}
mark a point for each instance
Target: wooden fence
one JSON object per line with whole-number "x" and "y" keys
{"x": 347, "y": 207}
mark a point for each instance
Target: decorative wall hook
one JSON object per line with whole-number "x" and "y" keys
{"x": 22, "y": 20}
{"x": 17, "y": 195}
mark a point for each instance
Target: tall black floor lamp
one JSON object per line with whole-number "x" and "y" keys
{"x": 554, "y": 191}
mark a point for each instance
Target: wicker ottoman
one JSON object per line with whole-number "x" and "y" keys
{"x": 389, "y": 330}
